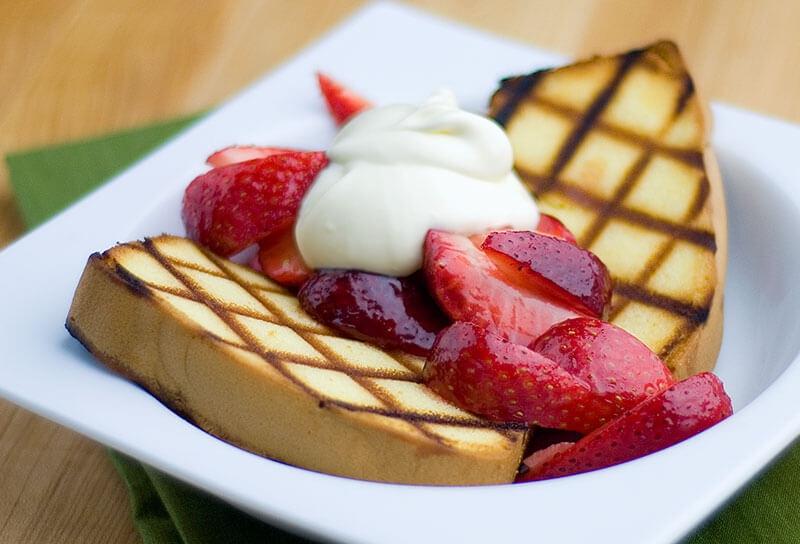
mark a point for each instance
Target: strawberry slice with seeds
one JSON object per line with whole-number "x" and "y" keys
{"x": 504, "y": 382}
{"x": 469, "y": 286}
{"x": 280, "y": 260}
{"x": 574, "y": 276}
{"x": 612, "y": 361}
{"x": 553, "y": 227}
{"x": 680, "y": 412}
{"x": 229, "y": 208}
{"x": 241, "y": 153}
{"x": 342, "y": 102}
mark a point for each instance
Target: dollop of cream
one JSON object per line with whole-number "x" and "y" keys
{"x": 397, "y": 171}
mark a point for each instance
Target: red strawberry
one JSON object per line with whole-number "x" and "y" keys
{"x": 234, "y": 206}
{"x": 571, "y": 275}
{"x": 342, "y": 102}
{"x": 279, "y": 258}
{"x": 538, "y": 458}
{"x": 613, "y": 362}
{"x": 505, "y": 382}
{"x": 469, "y": 287}
{"x": 387, "y": 311}
{"x": 553, "y": 227}
{"x": 242, "y": 153}
{"x": 682, "y": 411}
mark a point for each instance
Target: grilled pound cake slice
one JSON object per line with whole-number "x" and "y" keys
{"x": 234, "y": 353}
{"x": 617, "y": 148}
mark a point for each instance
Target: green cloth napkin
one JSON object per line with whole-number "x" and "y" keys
{"x": 167, "y": 511}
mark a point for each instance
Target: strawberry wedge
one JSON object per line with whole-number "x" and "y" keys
{"x": 393, "y": 313}
{"x": 229, "y": 208}
{"x": 575, "y": 276}
{"x": 616, "y": 365}
{"x": 553, "y": 227}
{"x": 584, "y": 374}
{"x": 241, "y": 153}
{"x": 469, "y": 286}
{"x": 505, "y": 382}
{"x": 680, "y": 412}
{"x": 280, "y": 260}
{"x": 342, "y": 102}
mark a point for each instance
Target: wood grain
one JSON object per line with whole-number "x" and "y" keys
{"x": 75, "y": 68}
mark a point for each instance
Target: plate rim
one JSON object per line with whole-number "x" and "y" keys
{"x": 747, "y": 469}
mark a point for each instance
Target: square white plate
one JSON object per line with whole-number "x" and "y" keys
{"x": 392, "y": 53}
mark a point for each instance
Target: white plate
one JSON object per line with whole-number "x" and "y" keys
{"x": 392, "y": 53}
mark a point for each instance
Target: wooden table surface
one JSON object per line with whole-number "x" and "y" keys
{"x": 76, "y": 68}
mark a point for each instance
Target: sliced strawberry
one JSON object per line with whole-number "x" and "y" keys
{"x": 485, "y": 374}
{"x": 571, "y": 275}
{"x": 469, "y": 287}
{"x": 534, "y": 461}
{"x": 553, "y": 227}
{"x": 255, "y": 263}
{"x": 342, "y": 102}
{"x": 390, "y": 312}
{"x": 242, "y": 153}
{"x": 613, "y": 362}
{"x": 279, "y": 259}
{"x": 234, "y": 206}
{"x": 682, "y": 411}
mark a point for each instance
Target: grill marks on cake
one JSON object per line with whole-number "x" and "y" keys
{"x": 518, "y": 89}
{"x": 607, "y": 211}
{"x": 698, "y": 237}
{"x": 686, "y": 93}
{"x": 333, "y": 361}
{"x": 694, "y": 314}
{"x": 613, "y": 208}
{"x": 688, "y": 156}
{"x": 588, "y": 120}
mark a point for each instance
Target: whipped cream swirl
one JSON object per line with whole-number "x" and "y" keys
{"x": 397, "y": 171}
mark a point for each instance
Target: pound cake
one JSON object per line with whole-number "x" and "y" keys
{"x": 234, "y": 353}
{"x": 618, "y": 149}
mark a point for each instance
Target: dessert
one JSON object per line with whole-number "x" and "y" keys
{"x": 618, "y": 149}
{"x": 417, "y": 317}
{"x": 234, "y": 353}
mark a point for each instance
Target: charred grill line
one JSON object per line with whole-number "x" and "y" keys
{"x": 518, "y": 89}
{"x": 588, "y": 120}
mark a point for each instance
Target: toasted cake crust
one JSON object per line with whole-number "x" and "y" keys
{"x": 618, "y": 148}
{"x": 232, "y": 352}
